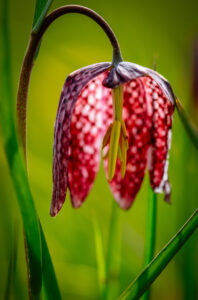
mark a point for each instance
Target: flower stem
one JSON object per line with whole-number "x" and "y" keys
{"x": 38, "y": 257}
{"x": 142, "y": 282}
{"x": 34, "y": 42}
{"x": 150, "y": 232}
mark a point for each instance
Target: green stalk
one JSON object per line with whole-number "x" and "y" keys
{"x": 16, "y": 164}
{"x": 150, "y": 232}
{"x": 100, "y": 258}
{"x": 137, "y": 288}
{"x": 50, "y": 285}
{"x": 33, "y": 239}
{"x": 41, "y": 9}
{"x": 12, "y": 264}
{"x": 113, "y": 254}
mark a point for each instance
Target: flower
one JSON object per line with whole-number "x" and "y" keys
{"x": 128, "y": 109}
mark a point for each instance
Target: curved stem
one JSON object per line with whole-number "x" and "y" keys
{"x": 35, "y": 39}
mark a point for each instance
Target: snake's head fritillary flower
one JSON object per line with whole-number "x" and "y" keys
{"x": 127, "y": 111}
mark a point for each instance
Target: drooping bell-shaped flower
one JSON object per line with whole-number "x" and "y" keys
{"x": 127, "y": 111}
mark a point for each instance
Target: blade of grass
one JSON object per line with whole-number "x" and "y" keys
{"x": 20, "y": 181}
{"x": 150, "y": 232}
{"x": 12, "y": 264}
{"x": 50, "y": 284}
{"x": 136, "y": 289}
{"x": 100, "y": 258}
{"x": 113, "y": 254}
{"x": 16, "y": 165}
{"x": 190, "y": 128}
{"x": 41, "y": 9}
{"x": 28, "y": 212}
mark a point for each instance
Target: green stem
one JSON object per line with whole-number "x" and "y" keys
{"x": 50, "y": 284}
{"x": 15, "y": 161}
{"x": 100, "y": 258}
{"x": 12, "y": 264}
{"x": 113, "y": 254}
{"x": 150, "y": 232}
{"x": 136, "y": 289}
{"x": 36, "y": 255}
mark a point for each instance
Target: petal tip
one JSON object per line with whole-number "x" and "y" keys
{"x": 167, "y": 192}
{"x": 54, "y": 209}
{"x": 123, "y": 203}
{"x": 166, "y": 188}
{"x": 76, "y": 202}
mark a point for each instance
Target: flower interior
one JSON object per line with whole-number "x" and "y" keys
{"x": 116, "y": 136}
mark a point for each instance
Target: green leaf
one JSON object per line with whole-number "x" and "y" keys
{"x": 12, "y": 264}
{"x": 36, "y": 255}
{"x": 42, "y": 7}
{"x": 136, "y": 289}
{"x": 190, "y": 128}
{"x": 50, "y": 284}
{"x": 16, "y": 163}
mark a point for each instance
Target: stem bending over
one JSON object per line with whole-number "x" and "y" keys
{"x": 35, "y": 39}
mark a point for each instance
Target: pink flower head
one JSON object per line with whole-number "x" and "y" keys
{"x": 127, "y": 109}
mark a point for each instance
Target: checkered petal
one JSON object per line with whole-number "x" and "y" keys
{"x": 87, "y": 130}
{"x": 137, "y": 114}
{"x": 73, "y": 86}
{"x": 163, "y": 110}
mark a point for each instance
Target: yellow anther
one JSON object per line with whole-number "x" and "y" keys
{"x": 117, "y": 135}
{"x": 119, "y": 153}
{"x": 105, "y": 155}
{"x": 124, "y": 132}
{"x": 113, "y": 148}
{"x": 124, "y": 156}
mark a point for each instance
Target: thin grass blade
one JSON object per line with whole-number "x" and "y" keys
{"x": 136, "y": 289}
{"x": 12, "y": 264}
{"x": 35, "y": 252}
{"x": 50, "y": 285}
{"x": 41, "y": 9}
{"x": 16, "y": 164}
{"x": 190, "y": 128}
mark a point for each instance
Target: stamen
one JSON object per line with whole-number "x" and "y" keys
{"x": 105, "y": 156}
{"x": 119, "y": 153}
{"x": 117, "y": 135}
{"x": 107, "y": 136}
{"x": 117, "y": 95}
{"x": 124, "y": 132}
{"x": 124, "y": 155}
{"x": 113, "y": 148}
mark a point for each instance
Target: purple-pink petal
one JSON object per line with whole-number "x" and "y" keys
{"x": 69, "y": 95}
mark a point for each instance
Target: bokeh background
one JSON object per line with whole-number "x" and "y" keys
{"x": 150, "y": 32}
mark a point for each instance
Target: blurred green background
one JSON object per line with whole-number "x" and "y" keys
{"x": 148, "y": 32}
